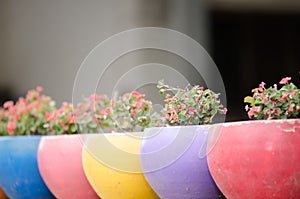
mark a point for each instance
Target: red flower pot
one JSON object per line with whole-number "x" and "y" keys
{"x": 257, "y": 159}
{"x": 60, "y": 165}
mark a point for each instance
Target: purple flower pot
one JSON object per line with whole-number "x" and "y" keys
{"x": 174, "y": 162}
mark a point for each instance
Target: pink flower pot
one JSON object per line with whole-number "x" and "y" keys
{"x": 257, "y": 159}
{"x": 60, "y": 165}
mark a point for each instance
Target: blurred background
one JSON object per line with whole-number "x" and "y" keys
{"x": 44, "y": 42}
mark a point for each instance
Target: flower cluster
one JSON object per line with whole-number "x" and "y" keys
{"x": 36, "y": 114}
{"x": 61, "y": 121}
{"x": 274, "y": 103}
{"x": 190, "y": 106}
{"x": 27, "y": 115}
{"x": 133, "y": 112}
{"x": 93, "y": 114}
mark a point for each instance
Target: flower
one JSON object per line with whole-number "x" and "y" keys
{"x": 94, "y": 114}
{"x": 27, "y": 115}
{"x": 285, "y": 80}
{"x": 190, "y": 106}
{"x": 133, "y": 112}
{"x": 274, "y": 103}
{"x": 11, "y": 127}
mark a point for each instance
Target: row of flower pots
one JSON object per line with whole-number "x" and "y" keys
{"x": 176, "y": 154}
{"x": 257, "y": 159}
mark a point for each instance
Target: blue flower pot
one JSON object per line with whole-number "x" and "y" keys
{"x": 19, "y": 173}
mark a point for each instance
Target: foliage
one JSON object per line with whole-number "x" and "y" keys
{"x": 61, "y": 121}
{"x": 27, "y": 115}
{"x": 274, "y": 103}
{"x": 190, "y": 106}
{"x": 133, "y": 112}
{"x": 93, "y": 114}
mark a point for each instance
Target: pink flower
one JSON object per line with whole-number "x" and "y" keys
{"x": 267, "y": 112}
{"x": 14, "y": 117}
{"x": 39, "y": 89}
{"x": 8, "y": 104}
{"x": 250, "y": 114}
{"x": 66, "y": 128}
{"x": 285, "y": 80}
{"x": 276, "y": 111}
{"x": 111, "y": 103}
{"x": 191, "y": 111}
{"x": 133, "y": 111}
{"x": 225, "y": 111}
{"x": 283, "y": 98}
{"x": 167, "y": 116}
{"x": 294, "y": 92}
{"x": 105, "y": 111}
{"x": 291, "y": 108}
{"x": 264, "y": 100}
{"x": 175, "y": 117}
{"x": 71, "y": 119}
{"x": 171, "y": 110}
{"x": 262, "y": 85}
{"x": 11, "y": 127}
{"x": 138, "y": 104}
{"x": 256, "y": 109}
{"x": 137, "y": 94}
{"x": 254, "y": 90}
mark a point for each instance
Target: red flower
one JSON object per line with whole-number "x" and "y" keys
{"x": 285, "y": 80}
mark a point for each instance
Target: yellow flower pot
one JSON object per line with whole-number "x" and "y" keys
{"x": 111, "y": 163}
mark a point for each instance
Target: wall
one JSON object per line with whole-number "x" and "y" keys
{"x": 43, "y": 42}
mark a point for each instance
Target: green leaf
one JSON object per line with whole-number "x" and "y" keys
{"x": 249, "y": 100}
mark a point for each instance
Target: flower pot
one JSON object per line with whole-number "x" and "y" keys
{"x": 174, "y": 162}
{"x": 2, "y": 194}
{"x": 19, "y": 174}
{"x": 112, "y": 165}
{"x": 257, "y": 159}
{"x": 60, "y": 165}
